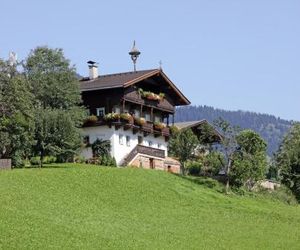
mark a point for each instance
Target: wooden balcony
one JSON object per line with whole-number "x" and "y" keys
{"x": 162, "y": 105}
{"x": 147, "y": 128}
{"x": 165, "y": 131}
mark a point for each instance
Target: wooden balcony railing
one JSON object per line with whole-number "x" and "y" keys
{"x": 155, "y": 152}
{"x": 147, "y": 128}
{"x": 140, "y": 149}
{"x": 162, "y": 105}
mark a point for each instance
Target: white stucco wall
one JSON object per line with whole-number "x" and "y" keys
{"x": 120, "y": 151}
{"x": 102, "y": 132}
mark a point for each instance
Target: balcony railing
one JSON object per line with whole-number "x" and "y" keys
{"x": 147, "y": 127}
{"x": 163, "y": 104}
{"x": 155, "y": 152}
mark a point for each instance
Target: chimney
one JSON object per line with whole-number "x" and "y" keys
{"x": 93, "y": 70}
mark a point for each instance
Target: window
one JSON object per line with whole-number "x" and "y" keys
{"x": 127, "y": 140}
{"x": 126, "y": 109}
{"x": 137, "y": 113}
{"x": 117, "y": 110}
{"x": 147, "y": 117}
{"x": 150, "y": 143}
{"x": 86, "y": 140}
{"x": 157, "y": 119}
{"x": 100, "y": 112}
{"x": 121, "y": 139}
{"x": 140, "y": 140}
{"x": 158, "y": 145}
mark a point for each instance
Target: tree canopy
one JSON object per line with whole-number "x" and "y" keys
{"x": 40, "y": 107}
{"x": 250, "y": 160}
{"x": 16, "y": 116}
{"x": 57, "y": 99}
{"x": 288, "y": 160}
{"x": 183, "y": 145}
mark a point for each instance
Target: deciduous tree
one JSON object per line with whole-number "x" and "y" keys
{"x": 16, "y": 114}
{"x": 250, "y": 160}
{"x": 288, "y": 160}
{"x": 57, "y": 97}
{"x": 183, "y": 145}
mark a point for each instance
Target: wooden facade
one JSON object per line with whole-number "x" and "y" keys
{"x": 129, "y": 100}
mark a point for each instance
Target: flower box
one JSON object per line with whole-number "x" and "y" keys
{"x": 112, "y": 117}
{"x": 92, "y": 119}
{"x": 159, "y": 125}
{"x": 126, "y": 117}
{"x": 151, "y": 96}
{"x": 139, "y": 121}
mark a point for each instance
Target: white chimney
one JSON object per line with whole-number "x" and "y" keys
{"x": 93, "y": 70}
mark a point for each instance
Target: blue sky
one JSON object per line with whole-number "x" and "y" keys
{"x": 230, "y": 54}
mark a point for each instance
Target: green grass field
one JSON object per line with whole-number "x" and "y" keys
{"x": 80, "y": 207}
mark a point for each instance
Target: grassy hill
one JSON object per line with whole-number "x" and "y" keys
{"x": 79, "y": 207}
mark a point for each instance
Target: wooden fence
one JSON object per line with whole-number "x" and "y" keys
{"x": 5, "y": 164}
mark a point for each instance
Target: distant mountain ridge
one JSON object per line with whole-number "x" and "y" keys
{"x": 271, "y": 128}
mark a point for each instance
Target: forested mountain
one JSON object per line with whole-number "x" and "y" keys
{"x": 271, "y": 128}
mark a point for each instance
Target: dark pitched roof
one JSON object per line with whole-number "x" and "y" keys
{"x": 126, "y": 79}
{"x": 186, "y": 125}
{"x": 196, "y": 124}
{"x": 113, "y": 80}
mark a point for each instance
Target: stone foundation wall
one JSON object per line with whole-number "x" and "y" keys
{"x": 172, "y": 168}
{"x": 160, "y": 164}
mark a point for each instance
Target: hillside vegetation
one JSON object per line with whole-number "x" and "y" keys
{"x": 271, "y": 128}
{"x": 88, "y": 207}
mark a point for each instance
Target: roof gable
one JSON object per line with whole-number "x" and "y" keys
{"x": 123, "y": 80}
{"x": 196, "y": 127}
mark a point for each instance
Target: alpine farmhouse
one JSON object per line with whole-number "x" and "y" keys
{"x": 134, "y": 111}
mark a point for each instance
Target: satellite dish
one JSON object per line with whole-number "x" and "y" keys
{"x": 12, "y": 58}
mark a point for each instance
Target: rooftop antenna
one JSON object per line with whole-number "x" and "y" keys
{"x": 134, "y": 53}
{"x": 12, "y": 58}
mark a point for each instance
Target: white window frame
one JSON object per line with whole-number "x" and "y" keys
{"x": 140, "y": 140}
{"x": 100, "y": 110}
{"x": 128, "y": 140}
{"x": 121, "y": 139}
{"x": 117, "y": 109}
{"x": 147, "y": 115}
{"x": 137, "y": 113}
{"x": 157, "y": 118}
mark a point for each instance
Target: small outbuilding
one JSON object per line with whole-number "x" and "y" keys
{"x": 205, "y": 131}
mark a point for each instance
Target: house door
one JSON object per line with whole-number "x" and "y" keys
{"x": 151, "y": 163}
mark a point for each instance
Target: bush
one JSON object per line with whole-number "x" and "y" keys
{"x": 35, "y": 160}
{"x": 212, "y": 164}
{"x": 105, "y": 160}
{"x": 79, "y": 159}
{"x": 194, "y": 168}
{"x": 281, "y": 193}
{"x": 49, "y": 159}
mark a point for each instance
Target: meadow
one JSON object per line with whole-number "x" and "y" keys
{"x": 73, "y": 206}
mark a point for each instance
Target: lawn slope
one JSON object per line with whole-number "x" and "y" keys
{"x": 79, "y": 207}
